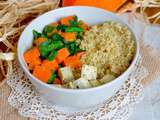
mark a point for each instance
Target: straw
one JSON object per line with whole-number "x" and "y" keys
{"x": 15, "y": 15}
{"x": 144, "y": 4}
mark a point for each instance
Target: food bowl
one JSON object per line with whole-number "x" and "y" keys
{"x": 73, "y": 98}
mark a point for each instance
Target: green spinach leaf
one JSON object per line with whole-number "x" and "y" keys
{"x": 36, "y": 34}
{"x": 52, "y": 55}
{"x": 43, "y": 47}
{"x": 73, "y": 29}
{"x": 48, "y": 29}
{"x": 79, "y": 35}
{"x": 57, "y": 37}
{"x": 61, "y": 27}
{"x": 73, "y": 48}
{"x": 74, "y": 22}
{"x": 55, "y": 45}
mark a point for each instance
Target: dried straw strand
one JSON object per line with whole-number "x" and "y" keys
{"x": 143, "y": 4}
{"x": 14, "y": 14}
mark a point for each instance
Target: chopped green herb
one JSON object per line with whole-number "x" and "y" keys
{"x": 57, "y": 37}
{"x": 48, "y": 29}
{"x": 43, "y": 47}
{"x": 74, "y": 22}
{"x": 36, "y": 34}
{"x": 52, "y": 55}
{"x": 44, "y": 35}
{"x": 52, "y": 77}
{"x": 79, "y": 35}
{"x": 61, "y": 27}
{"x": 55, "y": 45}
{"x": 73, "y": 48}
{"x": 73, "y": 29}
{"x": 48, "y": 46}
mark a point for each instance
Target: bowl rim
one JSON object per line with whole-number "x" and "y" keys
{"x": 125, "y": 73}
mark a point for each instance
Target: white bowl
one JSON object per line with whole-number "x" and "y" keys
{"x": 79, "y": 98}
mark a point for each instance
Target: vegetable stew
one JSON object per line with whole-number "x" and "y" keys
{"x": 55, "y": 50}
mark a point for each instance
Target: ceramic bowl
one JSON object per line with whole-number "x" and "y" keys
{"x": 74, "y": 98}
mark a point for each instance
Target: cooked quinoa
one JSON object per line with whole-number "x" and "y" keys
{"x": 110, "y": 47}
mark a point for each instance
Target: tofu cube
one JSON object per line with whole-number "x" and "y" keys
{"x": 66, "y": 74}
{"x": 81, "y": 83}
{"x": 89, "y": 72}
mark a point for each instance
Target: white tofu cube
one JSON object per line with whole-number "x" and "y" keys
{"x": 89, "y": 72}
{"x": 107, "y": 78}
{"x": 66, "y": 74}
{"x": 81, "y": 83}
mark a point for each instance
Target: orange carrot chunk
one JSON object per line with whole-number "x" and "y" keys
{"x": 62, "y": 55}
{"x": 31, "y": 54}
{"x": 69, "y": 36}
{"x": 42, "y": 73}
{"x": 27, "y": 56}
{"x": 35, "y": 53}
{"x": 39, "y": 40}
{"x": 34, "y": 63}
{"x": 51, "y": 65}
{"x": 65, "y": 21}
{"x": 72, "y": 61}
{"x": 57, "y": 81}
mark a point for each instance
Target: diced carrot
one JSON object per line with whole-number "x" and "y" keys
{"x": 42, "y": 73}
{"x": 69, "y": 36}
{"x": 27, "y": 56}
{"x": 35, "y": 52}
{"x": 65, "y": 21}
{"x": 31, "y": 54}
{"x": 62, "y": 55}
{"x": 83, "y": 25}
{"x": 39, "y": 40}
{"x": 34, "y": 63}
{"x": 80, "y": 54}
{"x": 51, "y": 65}
{"x": 57, "y": 81}
{"x": 72, "y": 61}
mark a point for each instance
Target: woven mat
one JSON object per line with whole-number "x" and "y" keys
{"x": 149, "y": 60}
